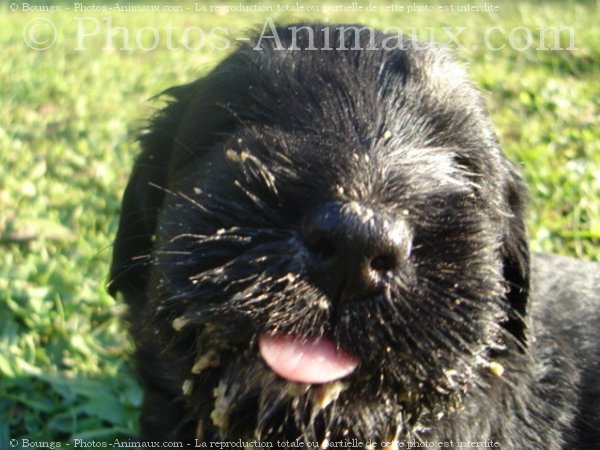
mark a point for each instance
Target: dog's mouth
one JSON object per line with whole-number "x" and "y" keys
{"x": 312, "y": 362}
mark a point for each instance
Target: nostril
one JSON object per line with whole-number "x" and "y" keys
{"x": 351, "y": 251}
{"x": 321, "y": 247}
{"x": 384, "y": 263}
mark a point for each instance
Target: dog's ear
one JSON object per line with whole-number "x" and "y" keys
{"x": 515, "y": 253}
{"x": 143, "y": 198}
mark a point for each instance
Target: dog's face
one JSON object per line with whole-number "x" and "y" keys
{"x": 323, "y": 244}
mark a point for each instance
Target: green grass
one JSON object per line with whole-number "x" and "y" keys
{"x": 68, "y": 122}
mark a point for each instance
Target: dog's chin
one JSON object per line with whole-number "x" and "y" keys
{"x": 252, "y": 402}
{"x": 257, "y": 395}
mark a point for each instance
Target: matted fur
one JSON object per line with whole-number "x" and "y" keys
{"x": 458, "y": 344}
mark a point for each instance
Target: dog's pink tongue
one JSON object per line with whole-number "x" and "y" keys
{"x": 305, "y": 362}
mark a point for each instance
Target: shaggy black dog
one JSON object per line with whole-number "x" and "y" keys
{"x": 322, "y": 244}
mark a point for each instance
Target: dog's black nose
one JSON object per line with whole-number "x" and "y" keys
{"x": 352, "y": 248}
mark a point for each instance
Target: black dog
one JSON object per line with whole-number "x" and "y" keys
{"x": 323, "y": 244}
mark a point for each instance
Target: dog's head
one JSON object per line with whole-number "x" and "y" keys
{"x": 324, "y": 242}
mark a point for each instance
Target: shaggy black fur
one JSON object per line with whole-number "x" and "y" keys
{"x": 227, "y": 232}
